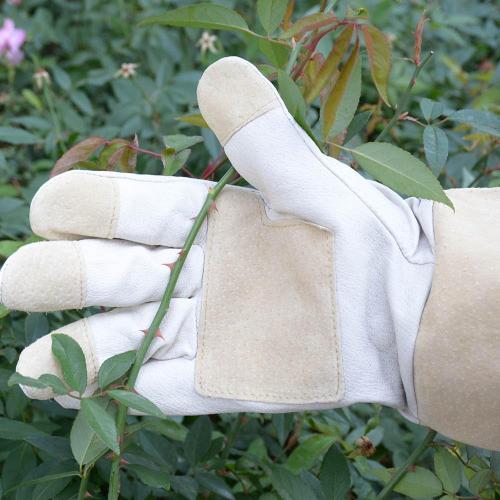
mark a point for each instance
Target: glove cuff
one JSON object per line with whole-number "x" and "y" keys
{"x": 457, "y": 353}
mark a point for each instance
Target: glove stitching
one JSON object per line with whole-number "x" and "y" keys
{"x": 315, "y": 152}
{"x": 90, "y": 342}
{"x": 114, "y": 218}
{"x": 82, "y": 273}
{"x": 224, "y": 392}
{"x": 261, "y": 110}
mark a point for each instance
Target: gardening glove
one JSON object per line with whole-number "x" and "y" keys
{"x": 319, "y": 290}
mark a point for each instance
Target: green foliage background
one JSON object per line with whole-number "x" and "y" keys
{"x": 82, "y": 45}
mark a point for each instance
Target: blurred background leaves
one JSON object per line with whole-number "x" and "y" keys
{"x": 89, "y": 71}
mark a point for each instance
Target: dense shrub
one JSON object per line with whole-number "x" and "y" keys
{"x": 86, "y": 69}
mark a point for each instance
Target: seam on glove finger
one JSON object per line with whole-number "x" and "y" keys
{"x": 82, "y": 274}
{"x": 237, "y": 362}
{"x": 92, "y": 368}
{"x": 113, "y": 222}
{"x": 318, "y": 155}
{"x": 261, "y": 110}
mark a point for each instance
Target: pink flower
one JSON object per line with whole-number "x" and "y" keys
{"x": 11, "y": 41}
{"x": 15, "y": 2}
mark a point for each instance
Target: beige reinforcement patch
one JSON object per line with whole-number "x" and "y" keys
{"x": 268, "y": 324}
{"x": 45, "y": 276}
{"x": 457, "y": 354}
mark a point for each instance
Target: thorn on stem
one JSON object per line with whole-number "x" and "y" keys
{"x": 157, "y": 334}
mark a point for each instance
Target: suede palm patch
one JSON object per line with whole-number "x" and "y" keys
{"x": 268, "y": 323}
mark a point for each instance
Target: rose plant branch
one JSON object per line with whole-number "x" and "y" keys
{"x": 114, "y": 481}
{"x": 417, "y": 452}
{"x": 402, "y": 104}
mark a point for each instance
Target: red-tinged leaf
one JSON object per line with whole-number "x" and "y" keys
{"x": 309, "y": 23}
{"x": 311, "y": 71}
{"x": 115, "y": 157}
{"x": 79, "y": 152}
{"x": 379, "y": 54}
{"x": 288, "y": 15}
{"x": 128, "y": 160}
{"x": 342, "y": 102}
{"x": 419, "y": 31}
{"x": 331, "y": 63}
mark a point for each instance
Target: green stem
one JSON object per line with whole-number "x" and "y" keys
{"x": 114, "y": 480}
{"x": 417, "y": 452}
{"x": 233, "y": 434}
{"x": 53, "y": 114}
{"x": 83, "y": 484}
{"x": 402, "y": 104}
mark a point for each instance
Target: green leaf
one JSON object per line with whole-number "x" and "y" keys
{"x": 101, "y": 422}
{"x": 215, "y": 484}
{"x": 13, "y": 429}
{"x": 271, "y": 13}
{"x": 419, "y": 483}
{"x": 62, "y": 78}
{"x": 3, "y": 311}
{"x": 14, "y": 135}
{"x": 193, "y": 119}
{"x": 400, "y": 171}
{"x": 291, "y": 95}
{"x": 198, "y": 440}
{"x": 479, "y": 481}
{"x": 115, "y": 367}
{"x": 277, "y": 54}
{"x": 329, "y": 67}
{"x": 36, "y": 325}
{"x": 166, "y": 427}
{"x": 283, "y": 424}
{"x": 85, "y": 443}
{"x": 54, "y": 382}
{"x": 79, "y": 152}
{"x": 342, "y": 102}
{"x": 173, "y": 162}
{"x": 8, "y": 247}
{"x": 71, "y": 359}
{"x": 17, "y": 378}
{"x": 289, "y": 486}
{"x": 431, "y": 109}
{"x": 178, "y": 142}
{"x": 306, "y": 454}
{"x": 150, "y": 477}
{"x": 48, "y": 490}
{"x": 448, "y": 469}
{"x": 379, "y": 55}
{"x": 44, "y": 479}
{"x": 82, "y": 102}
{"x": 203, "y": 15}
{"x": 334, "y": 475}
{"x": 435, "y": 147}
{"x": 484, "y": 121}
{"x": 56, "y": 446}
{"x": 136, "y": 402}
{"x": 357, "y": 124}
{"x": 495, "y": 463}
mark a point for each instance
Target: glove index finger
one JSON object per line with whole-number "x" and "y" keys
{"x": 154, "y": 210}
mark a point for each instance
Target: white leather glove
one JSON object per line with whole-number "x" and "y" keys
{"x": 270, "y": 314}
